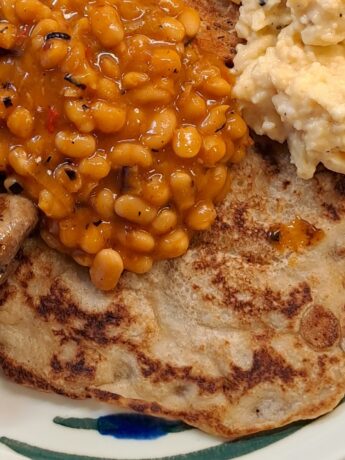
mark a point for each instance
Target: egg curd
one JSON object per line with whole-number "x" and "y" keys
{"x": 291, "y": 77}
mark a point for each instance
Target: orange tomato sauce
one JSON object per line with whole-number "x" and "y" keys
{"x": 295, "y": 236}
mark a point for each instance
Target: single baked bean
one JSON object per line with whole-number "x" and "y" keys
{"x": 106, "y": 269}
{"x": 74, "y": 144}
{"x": 106, "y": 25}
{"x": 134, "y": 209}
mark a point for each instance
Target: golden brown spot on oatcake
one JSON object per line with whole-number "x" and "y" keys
{"x": 331, "y": 212}
{"x": 58, "y": 304}
{"x": 268, "y": 366}
{"x": 257, "y": 302}
{"x": 338, "y": 252}
{"x": 23, "y": 376}
{"x": 217, "y": 33}
{"x": 74, "y": 368}
{"x": 340, "y": 184}
{"x": 3, "y": 205}
{"x": 56, "y": 365}
{"x": 297, "y": 298}
{"x": 24, "y": 272}
{"x": 5, "y": 292}
{"x": 320, "y": 328}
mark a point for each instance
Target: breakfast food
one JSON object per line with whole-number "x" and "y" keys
{"x": 291, "y": 77}
{"x": 244, "y": 333}
{"x": 18, "y": 217}
{"x": 237, "y": 336}
{"x": 117, "y": 125}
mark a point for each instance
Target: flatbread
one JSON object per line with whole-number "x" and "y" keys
{"x": 217, "y": 33}
{"x": 236, "y": 337}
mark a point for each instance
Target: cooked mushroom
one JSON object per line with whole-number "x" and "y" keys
{"x": 18, "y": 217}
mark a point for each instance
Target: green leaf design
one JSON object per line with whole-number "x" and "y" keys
{"x": 225, "y": 451}
{"x": 77, "y": 423}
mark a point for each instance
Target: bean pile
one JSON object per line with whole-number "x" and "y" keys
{"x": 117, "y": 125}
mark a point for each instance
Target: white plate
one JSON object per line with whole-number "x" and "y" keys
{"x": 27, "y": 430}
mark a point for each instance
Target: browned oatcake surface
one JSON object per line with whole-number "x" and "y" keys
{"x": 235, "y": 337}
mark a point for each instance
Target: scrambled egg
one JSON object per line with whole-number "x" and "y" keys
{"x": 291, "y": 82}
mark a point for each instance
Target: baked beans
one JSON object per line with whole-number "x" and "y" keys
{"x": 117, "y": 125}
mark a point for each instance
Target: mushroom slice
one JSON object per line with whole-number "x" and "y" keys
{"x": 18, "y": 217}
